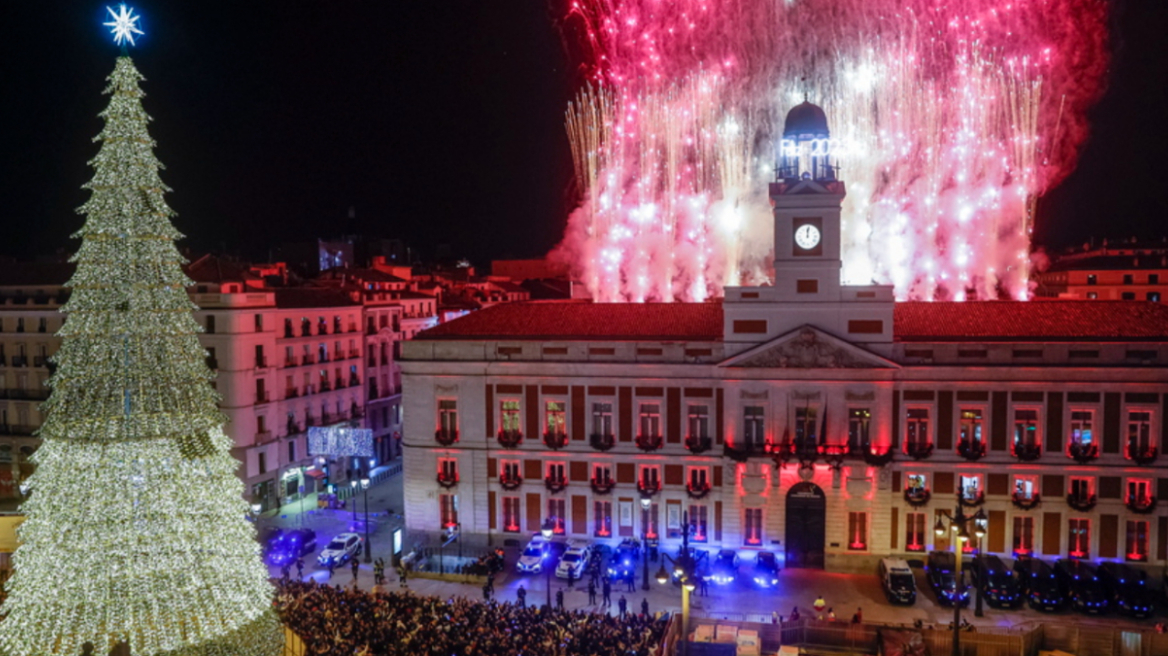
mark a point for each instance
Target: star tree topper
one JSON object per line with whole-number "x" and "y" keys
{"x": 124, "y": 24}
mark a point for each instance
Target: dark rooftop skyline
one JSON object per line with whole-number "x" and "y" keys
{"x": 437, "y": 122}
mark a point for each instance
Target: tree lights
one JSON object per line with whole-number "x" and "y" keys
{"x": 136, "y": 526}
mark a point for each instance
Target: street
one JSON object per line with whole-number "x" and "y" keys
{"x": 845, "y": 593}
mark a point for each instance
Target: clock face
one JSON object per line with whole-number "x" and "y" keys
{"x": 807, "y": 236}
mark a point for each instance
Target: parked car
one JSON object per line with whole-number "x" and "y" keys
{"x": 1042, "y": 588}
{"x": 725, "y": 567}
{"x": 766, "y": 569}
{"x": 941, "y": 572}
{"x": 292, "y": 545}
{"x": 1128, "y": 589}
{"x": 699, "y": 559}
{"x": 574, "y": 561}
{"x": 624, "y": 560}
{"x": 268, "y": 538}
{"x": 340, "y": 550}
{"x": 1084, "y": 589}
{"x": 897, "y": 581}
{"x": 535, "y": 555}
{"x": 996, "y": 582}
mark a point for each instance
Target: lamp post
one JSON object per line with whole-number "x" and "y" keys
{"x": 979, "y": 530}
{"x": 368, "y": 549}
{"x": 353, "y": 496}
{"x": 548, "y": 528}
{"x": 645, "y": 503}
{"x": 957, "y": 524}
{"x": 684, "y": 569}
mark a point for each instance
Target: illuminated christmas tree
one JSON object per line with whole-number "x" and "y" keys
{"x": 136, "y": 527}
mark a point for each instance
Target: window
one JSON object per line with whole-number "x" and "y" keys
{"x": 699, "y": 478}
{"x": 914, "y": 535}
{"x": 1091, "y": 279}
{"x": 556, "y": 418}
{"x": 1026, "y": 427}
{"x": 1081, "y": 489}
{"x": 1128, "y": 279}
{"x": 262, "y": 461}
{"x": 602, "y": 519}
{"x": 916, "y": 484}
{"x": 555, "y": 471}
{"x": 1153, "y": 279}
{"x": 602, "y": 419}
{"x": 259, "y": 323}
{"x": 1137, "y": 540}
{"x": 650, "y": 419}
{"x": 509, "y": 415}
{"x": 448, "y": 503}
{"x": 857, "y": 531}
{"x": 555, "y": 512}
{"x": 1079, "y": 539}
{"x": 917, "y": 428}
{"x": 805, "y": 426}
{"x": 1139, "y": 432}
{"x": 969, "y": 430}
{"x": 509, "y": 470}
{"x": 1153, "y": 296}
{"x": 754, "y": 426}
{"x": 1023, "y": 535}
{"x": 971, "y": 489}
{"x": 448, "y": 469}
{"x": 650, "y": 477}
{"x": 292, "y": 451}
{"x": 1025, "y": 487}
{"x": 699, "y": 421}
{"x": 1139, "y": 491}
{"x": 699, "y": 517}
{"x": 210, "y": 325}
{"x": 602, "y": 473}
{"x": 447, "y": 416}
{"x": 859, "y": 419}
{"x": 1082, "y": 427}
{"x": 1128, "y": 296}
{"x": 43, "y": 325}
{"x": 752, "y": 527}
{"x": 511, "y": 514}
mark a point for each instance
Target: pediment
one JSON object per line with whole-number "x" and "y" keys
{"x": 807, "y": 347}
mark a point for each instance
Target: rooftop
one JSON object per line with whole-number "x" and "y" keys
{"x": 568, "y": 320}
{"x": 312, "y": 297}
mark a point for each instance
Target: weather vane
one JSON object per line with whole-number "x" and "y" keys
{"x": 124, "y": 24}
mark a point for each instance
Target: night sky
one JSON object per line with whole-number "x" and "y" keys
{"x": 439, "y": 122}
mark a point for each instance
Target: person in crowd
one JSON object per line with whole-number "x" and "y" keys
{"x": 607, "y": 590}
{"x": 795, "y": 614}
{"x": 645, "y": 606}
{"x": 858, "y": 618}
{"x": 623, "y": 605}
{"x": 521, "y": 595}
{"x": 336, "y": 622}
{"x": 592, "y": 592}
{"x": 560, "y": 599}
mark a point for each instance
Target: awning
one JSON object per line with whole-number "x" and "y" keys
{"x": 315, "y": 473}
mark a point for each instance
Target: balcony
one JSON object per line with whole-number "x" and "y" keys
{"x": 698, "y": 444}
{"x": 354, "y": 354}
{"x": 445, "y": 436}
{"x": 261, "y": 363}
{"x": 339, "y": 383}
{"x": 353, "y": 381}
{"x": 602, "y": 485}
{"x": 357, "y": 412}
{"x": 917, "y": 497}
{"x": 17, "y": 429}
{"x": 1026, "y": 503}
{"x": 263, "y": 437}
{"x": 290, "y": 362}
{"x": 974, "y": 501}
{"x": 352, "y": 328}
{"x": 877, "y": 456}
{"x": 1144, "y": 454}
{"x": 327, "y": 418}
{"x": 510, "y": 482}
{"x": 555, "y": 484}
{"x": 556, "y": 440}
{"x": 325, "y": 386}
{"x": 1081, "y": 502}
{"x": 38, "y": 394}
{"x": 308, "y": 359}
{"x": 310, "y": 421}
{"x": 22, "y": 361}
{"x": 1027, "y": 452}
{"x": 1141, "y": 505}
{"x": 293, "y": 428}
{"x": 697, "y": 490}
{"x": 971, "y": 450}
{"x": 509, "y": 439}
{"x": 40, "y": 361}
{"x": 918, "y": 450}
{"x": 602, "y": 442}
{"x": 384, "y": 361}
{"x": 371, "y": 330}
{"x": 648, "y": 488}
{"x": 742, "y": 454}
{"x": 447, "y": 480}
{"x": 261, "y": 398}
{"x": 649, "y": 443}
{"x": 1082, "y": 452}
{"x": 291, "y": 393}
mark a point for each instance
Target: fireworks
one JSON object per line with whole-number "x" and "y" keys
{"x": 949, "y": 118}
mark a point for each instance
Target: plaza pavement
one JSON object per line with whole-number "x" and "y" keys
{"x": 843, "y": 592}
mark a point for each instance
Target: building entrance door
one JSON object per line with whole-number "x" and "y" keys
{"x": 806, "y": 525}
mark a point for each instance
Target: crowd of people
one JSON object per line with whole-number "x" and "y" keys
{"x": 348, "y": 622}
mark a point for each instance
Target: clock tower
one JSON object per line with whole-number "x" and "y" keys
{"x": 806, "y": 198}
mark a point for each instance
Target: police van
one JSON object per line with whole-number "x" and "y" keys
{"x": 897, "y": 580}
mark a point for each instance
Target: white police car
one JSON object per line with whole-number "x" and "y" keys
{"x": 534, "y": 555}
{"x": 574, "y": 561}
{"x": 340, "y": 549}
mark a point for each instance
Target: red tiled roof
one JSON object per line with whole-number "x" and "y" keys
{"x": 550, "y": 320}
{"x": 1036, "y": 320}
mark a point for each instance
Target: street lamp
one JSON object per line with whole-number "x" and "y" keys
{"x": 645, "y": 503}
{"x": 958, "y": 522}
{"x": 368, "y": 549}
{"x": 548, "y": 529}
{"x": 353, "y": 496}
{"x": 684, "y": 569}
